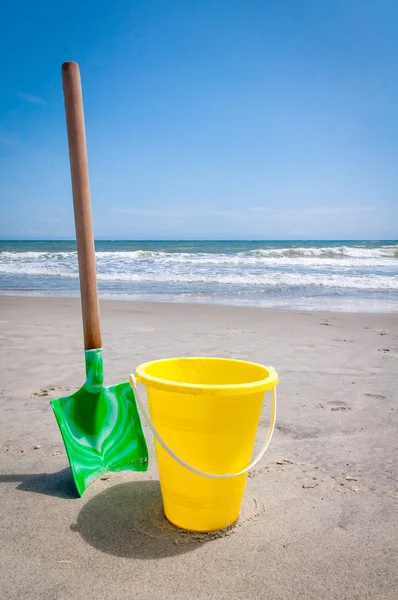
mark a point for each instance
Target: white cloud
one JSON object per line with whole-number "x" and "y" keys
{"x": 321, "y": 211}
{"x": 259, "y": 209}
{"x": 145, "y": 212}
{"x": 31, "y": 98}
{"x": 183, "y": 212}
{"x": 251, "y": 214}
{"x": 336, "y": 210}
{"x": 11, "y": 142}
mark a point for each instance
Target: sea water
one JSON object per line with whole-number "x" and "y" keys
{"x": 327, "y": 275}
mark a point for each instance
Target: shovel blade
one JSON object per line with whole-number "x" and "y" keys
{"x": 100, "y": 427}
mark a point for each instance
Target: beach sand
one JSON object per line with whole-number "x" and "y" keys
{"x": 319, "y": 518}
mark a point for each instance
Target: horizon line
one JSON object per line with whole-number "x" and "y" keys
{"x": 204, "y": 240}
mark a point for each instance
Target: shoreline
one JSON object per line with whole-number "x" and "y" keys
{"x": 335, "y": 276}
{"x": 143, "y": 302}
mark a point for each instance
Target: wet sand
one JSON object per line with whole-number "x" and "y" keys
{"x": 319, "y": 519}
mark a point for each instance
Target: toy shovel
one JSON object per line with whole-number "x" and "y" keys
{"x": 100, "y": 426}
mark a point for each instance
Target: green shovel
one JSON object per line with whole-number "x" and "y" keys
{"x": 100, "y": 426}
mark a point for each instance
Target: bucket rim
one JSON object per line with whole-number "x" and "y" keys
{"x": 269, "y": 381}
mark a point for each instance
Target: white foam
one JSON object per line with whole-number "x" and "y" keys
{"x": 260, "y": 280}
{"x": 340, "y": 256}
{"x": 351, "y": 267}
{"x": 22, "y": 256}
{"x": 332, "y": 251}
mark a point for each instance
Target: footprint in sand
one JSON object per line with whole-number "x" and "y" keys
{"x": 330, "y": 322}
{"x": 42, "y": 392}
{"x": 46, "y": 391}
{"x": 297, "y": 432}
{"x": 338, "y": 405}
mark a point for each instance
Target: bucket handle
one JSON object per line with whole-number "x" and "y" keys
{"x": 180, "y": 461}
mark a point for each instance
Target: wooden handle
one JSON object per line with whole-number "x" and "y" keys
{"x": 81, "y": 203}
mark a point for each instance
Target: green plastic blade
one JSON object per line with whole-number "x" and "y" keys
{"x": 100, "y": 426}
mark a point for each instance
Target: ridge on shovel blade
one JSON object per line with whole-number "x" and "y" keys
{"x": 100, "y": 426}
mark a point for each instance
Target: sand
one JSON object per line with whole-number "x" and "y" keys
{"x": 319, "y": 519}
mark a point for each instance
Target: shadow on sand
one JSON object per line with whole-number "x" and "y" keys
{"x": 59, "y": 484}
{"x": 127, "y": 520}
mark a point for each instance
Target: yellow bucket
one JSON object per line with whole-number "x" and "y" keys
{"x": 204, "y": 414}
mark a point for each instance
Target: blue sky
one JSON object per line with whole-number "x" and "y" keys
{"x": 233, "y": 119}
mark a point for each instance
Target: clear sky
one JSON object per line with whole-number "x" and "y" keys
{"x": 223, "y": 119}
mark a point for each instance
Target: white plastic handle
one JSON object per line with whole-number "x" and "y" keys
{"x": 133, "y": 383}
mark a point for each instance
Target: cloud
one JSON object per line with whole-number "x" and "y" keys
{"x": 144, "y": 212}
{"x": 183, "y": 212}
{"x": 321, "y": 211}
{"x": 31, "y": 98}
{"x": 249, "y": 214}
{"x": 259, "y": 209}
{"x": 328, "y": 211}
{"x": 226, "y": 213}
{"x": 11, "y": 142}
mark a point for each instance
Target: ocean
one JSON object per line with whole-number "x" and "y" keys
{"x": 335, "y": 275}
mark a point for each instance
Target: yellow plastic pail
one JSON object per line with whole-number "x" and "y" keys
{"x": 204, "y": 414}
